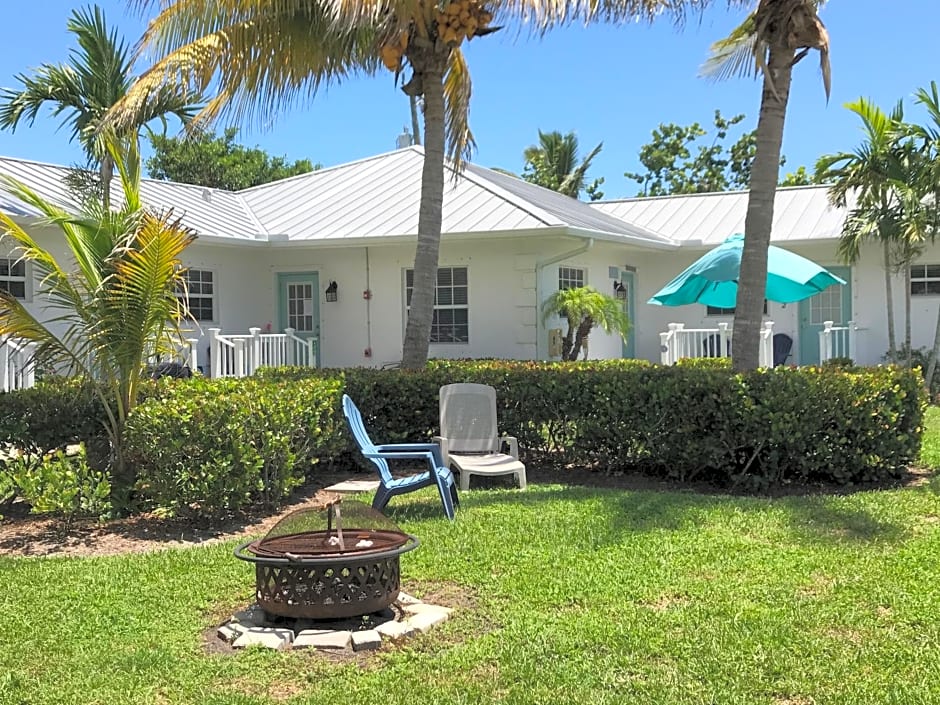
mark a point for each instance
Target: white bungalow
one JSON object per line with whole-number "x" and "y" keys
{"x": 327, "y": 257}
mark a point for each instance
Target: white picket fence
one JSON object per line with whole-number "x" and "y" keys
{"x": 837, "y": 341}
{"x": 242, "y": 355}
{"x": 679, "y": 342}
{"x": 16, "y": 361}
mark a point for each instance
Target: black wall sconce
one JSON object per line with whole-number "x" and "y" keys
{"x": 331, "y": 291}
{"x": 620, "y": 291}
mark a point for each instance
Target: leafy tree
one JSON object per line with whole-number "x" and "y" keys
{"x": 113, "y": 300}
{"x": 771, "y": 40}
{"x": 585, "y": 308}
{"x": 97, "y": 75}
{"x": 554, "y": 164}
{"x": 677, "y": 163}
{"x": 261, "y": 55}
{"x": 218, "y": 162}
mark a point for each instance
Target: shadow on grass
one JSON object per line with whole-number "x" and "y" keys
{"x": 821, "y": 518}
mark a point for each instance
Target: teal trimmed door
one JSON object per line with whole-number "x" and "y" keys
{"x": 299, "y": 304}
{"x": 628, "y": 279}
{"x": 833, "y": 304}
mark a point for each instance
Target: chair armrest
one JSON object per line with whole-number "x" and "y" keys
{"x": 513, "y": 444}
{"x": 445, "y": 455}
{"x": 406, "y": 447}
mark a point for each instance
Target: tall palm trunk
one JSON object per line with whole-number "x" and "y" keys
{"x": 430, "y": 215}
{"x": 907, "y": 313}
{"x": 752, "y": 280}
{"x": 889, "y": 300}
{"x": 105, "y": 174}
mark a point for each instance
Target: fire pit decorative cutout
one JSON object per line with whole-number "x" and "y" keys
{"x": 330, "y": 561}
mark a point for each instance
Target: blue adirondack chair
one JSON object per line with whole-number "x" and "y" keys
{"x": 436, "y": 474}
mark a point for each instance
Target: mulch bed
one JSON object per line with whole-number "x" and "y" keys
{"x": 23, "y": 534}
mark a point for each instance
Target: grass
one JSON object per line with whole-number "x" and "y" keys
{"x": 579, "y": 594}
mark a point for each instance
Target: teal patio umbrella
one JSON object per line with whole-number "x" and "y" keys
{"x": 713, "y": 278}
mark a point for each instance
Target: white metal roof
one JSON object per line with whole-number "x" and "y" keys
{"x": 380, "y": 196}
{"x": 207, "y": 211}
{"x": 800, "y": 213}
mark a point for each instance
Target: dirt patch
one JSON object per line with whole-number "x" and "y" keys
{"x": 22, "y": 534}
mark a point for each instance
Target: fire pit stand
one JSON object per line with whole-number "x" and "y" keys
{"x": 330, "y": 573}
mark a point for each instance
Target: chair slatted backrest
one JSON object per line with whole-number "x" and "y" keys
{"x": 468, "y": 418}
{"x": 354, "y": 418}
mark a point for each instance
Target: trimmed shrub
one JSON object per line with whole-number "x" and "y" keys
{"x": 53, "y": 414}
{"x": 206, "y": 445}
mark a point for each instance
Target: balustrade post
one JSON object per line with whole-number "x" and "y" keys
{"x": 723, "y": 339}
{"x": 664, "y": 349}
{"x": 825, "y": 339}
{"x": 193, "y": 345}
{"x": 215, "y": 353}
{"x": 851, "y": 352}
{"x": 291, "y": 344}
{"x": 254, "y": 355}
{"x": 766, "y": 356}
{"x": 241, "y": 362}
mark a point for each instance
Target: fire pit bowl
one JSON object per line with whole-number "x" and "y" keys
{"x": 330, "y": 561}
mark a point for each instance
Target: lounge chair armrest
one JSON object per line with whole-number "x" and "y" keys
{"x": 445, "y": 455}
{"x": 406, "y": 447}
{"x": 513, "y": 444}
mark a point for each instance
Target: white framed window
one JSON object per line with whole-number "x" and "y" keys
{"x": 570, "y": 278}
{"x": 925, "y": 279}
{"x": 201, "y": 287}
{"x": 13, "y": 277}
{"x": 826, "y": 306}
{"x": 451, "y": 320}
{"x": 719, "y": 311}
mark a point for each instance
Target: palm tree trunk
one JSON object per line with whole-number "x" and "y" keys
{"x": 430, "y": 214}
{"x": 415, "y": 125}
{"x": 105, "y": 174}
{"x": 889, "y": 299}
{"x": 752, "y": 279}
{"x": 907, "y": 313}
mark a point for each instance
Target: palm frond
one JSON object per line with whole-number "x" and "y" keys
{"x": 735, "y": 55}
{"x": 457, "y": 91}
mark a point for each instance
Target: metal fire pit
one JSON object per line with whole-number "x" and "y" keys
{"x": 348, "y": 567}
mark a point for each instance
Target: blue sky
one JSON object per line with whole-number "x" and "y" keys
{"x": 610, "y": 84}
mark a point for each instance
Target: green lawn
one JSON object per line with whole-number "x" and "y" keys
{"x": 579, "y": 595}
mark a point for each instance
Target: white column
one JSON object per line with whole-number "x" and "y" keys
{"x": 291, "y": 345}
{"x": 723, "y": 339}
{"x": 193, "y": 347}
{"x": 766, "y": 357}
{"x": 254, "y": 355}
{"x": 852, "y": 352}
{"x": 215, "y": 352}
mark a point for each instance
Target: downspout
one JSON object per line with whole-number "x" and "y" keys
{"x": 541, "y": 265}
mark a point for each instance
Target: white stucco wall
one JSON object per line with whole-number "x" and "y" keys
{"x": 504, "y": 316}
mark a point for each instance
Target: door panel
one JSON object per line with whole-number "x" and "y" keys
{"x": 299, "y": 304}
{"x": 834, "y": 304}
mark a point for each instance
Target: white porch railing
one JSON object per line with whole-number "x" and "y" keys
{"x": 680, "y": 342}
{"x": 16, "y": 361}
{"x": 837, "y": 341}
{"x": 242, "y": 355}
{"x": 183, "y": 351}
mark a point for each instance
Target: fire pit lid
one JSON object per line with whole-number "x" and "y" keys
{"x": 331, "y": 527}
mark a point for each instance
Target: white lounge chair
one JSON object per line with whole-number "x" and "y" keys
{"x": 469, "y": 440}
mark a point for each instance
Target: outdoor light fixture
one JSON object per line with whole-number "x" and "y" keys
{"x": 620, "y": 291}
{"x": 331, "y": 291}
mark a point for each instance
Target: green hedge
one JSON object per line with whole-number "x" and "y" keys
{"x": 211, "y": 444}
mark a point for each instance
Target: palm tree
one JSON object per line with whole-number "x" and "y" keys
{"x": 585, "y": 308}
{"x": 866, "y": 172}
{"x": 261, "y": 55}
{"x": 119, "y": 304}
{"x": 96, "y": 76}
{"x": 553, "y": 163}
{"x": 773, "y": 38}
